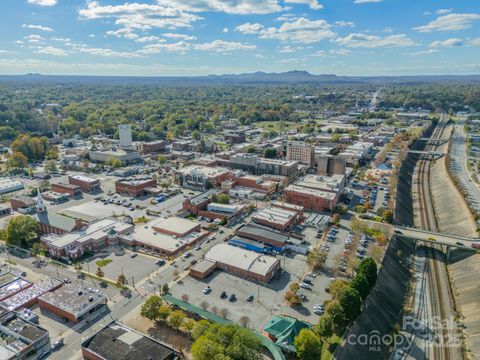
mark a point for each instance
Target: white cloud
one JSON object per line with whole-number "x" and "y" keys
{"x": 37, "y": 27}
{"x": 450, "y": 22}
{"x": 43, "y": 2}
{"x": 287, "y": 17}
{"x": 6, "y": 52}
{"x": 242, "y": 7}
{"x": 50, "y": 50}
{"x": 366, "y": 1}
{"x": 139, "y": 16}
{"x": 424, "y": 52}
{"x": 225, "y": 30}
{"x": 34, "y": 39}
{"x": 474, "y": 42}
{"x": 248, "y": 28}
{"x": 290, "y": 49}
{"x": 126, "y": 33}
{"x": 62, "y": 39}
{"x": 443, "y": 11}
{"x": 371, "y": 41}
{"x": 312, "y": 3}
{"x": 179, "y": 36}
{"x": 342, "y": 23}
{"x": 300, "y": 30}
{"x": 447, "y": 43}
{"x": 339, "y": 52}
{"x": 104, "y": 52}
{"x": 180, "y": 47}
{"x": 93, "y": 36}
{"x": 150, "y": 38}
{"x": 260, "y": 56}
{"x": 221, "y": 46}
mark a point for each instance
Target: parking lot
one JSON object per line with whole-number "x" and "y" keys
{"x": 134, "y": 269}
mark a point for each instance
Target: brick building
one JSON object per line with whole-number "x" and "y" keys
{"x": 22, "y": 202}
{"x": 135, "y": 186}
{"x": 201, "y": 177}
{"x": 301, "y": 152}
{"x": 70, "y": 189}
{"x": 73, "y": 303}
{"x": 311, "y": 199}
{"x": 85, "y": 183}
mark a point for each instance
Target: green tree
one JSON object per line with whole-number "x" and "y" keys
{"x": 200, "y": 328}
{"x": 368, "y": 267}
{"x": 164, "y": 312}
{"x": 336, "y": 313}
{"x": 188, "y": 325}
{"x": 360, "y": 283}
{"x": 37, "y": 249}
{"x": 223, "y": 199}
{"x": 165, "y": 289}
{"x": 113, "y": 162}
{"x": 176, "y": 318}
{"x": 121, "y": 280}
{"x": 270, "y": 153}
{"x": 325, "y": 326}
{"x": 50, "y": 166}
{"x": 351, "y": 303}
{"x": 226, "y": 342}
{"x": 307, "y": 345}
{"x": 16, "y": 161}
{"x": 251, "y": 150}
{"x": 150, "y": 308}
{"x": 22, "y": 231}
{"x": 316, "y": 259}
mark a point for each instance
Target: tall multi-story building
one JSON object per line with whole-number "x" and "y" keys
{"x": 261, "y": 166}
{"x": 125, "y": 135}
{"x": 331, "y": 165}
{"x": 301, "y": 152}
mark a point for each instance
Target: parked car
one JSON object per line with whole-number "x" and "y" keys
{"x": 207, "y": 290}
{"x": 57, "y": 344}
{"x": 232, "y": 298}
{"x": 132, "y": 255}
{"x": 223, "y": 295}
{"x": 305, "y": 286}
{"x": 249, "y": 298}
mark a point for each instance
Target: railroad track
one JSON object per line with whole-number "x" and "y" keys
{"x": 438, "y": 285}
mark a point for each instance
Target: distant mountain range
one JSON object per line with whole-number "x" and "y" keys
{"x": 259, "y": 77}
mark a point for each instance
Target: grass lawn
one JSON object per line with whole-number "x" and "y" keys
{"x": 104, "y": 262}
{"x": 275, "y": 125}
{"x": 328, "y": 348}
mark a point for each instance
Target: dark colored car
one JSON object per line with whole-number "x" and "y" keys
{"x": 232, "y": 298}
{"x": 223, "y": 295}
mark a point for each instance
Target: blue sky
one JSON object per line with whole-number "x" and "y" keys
{"x": 201, "y": 37}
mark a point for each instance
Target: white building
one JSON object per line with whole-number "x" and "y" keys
{"x": 125, "y": 135}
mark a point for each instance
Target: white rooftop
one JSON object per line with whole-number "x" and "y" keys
{"x": 242, "y": 259}
{"x": 311, "y": 192}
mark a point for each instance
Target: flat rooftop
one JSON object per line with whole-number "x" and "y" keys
{"x": 320, "y": 182}
{"x": 174, "y": 224}
{"x": 94, "y": 231}
{"x": 283, "y": 204}
{"x": 23, "y": 297}
{"x": 241, "y": 259}
{"x": 275, "y": 215}
{"x": 311, "y": 192}
{"x": 146, "y": 235}
{"x": 205, "y": 171}
{"x": 118, "y": 342}
{"x": 255, "y": 232}
{"x": 135, "y": 181}
{"x": 84, "y": 178}
{"x": 73, "y": 299}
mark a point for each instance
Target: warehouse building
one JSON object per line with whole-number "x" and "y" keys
{"x": 116, "y": 341}
{"x": 243, "y": 263}
{"x": 311, "y": 199}
{"x": 201, "y": 177}
{"x": 73, "y": 303}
